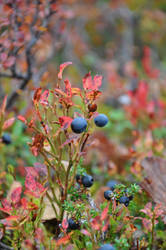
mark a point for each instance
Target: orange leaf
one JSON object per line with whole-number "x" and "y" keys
{"x": 62, "y": 67}
{"x": 8, "y": 123}
{"x": 37, "y": 95}
{"x": 22, "y": 119}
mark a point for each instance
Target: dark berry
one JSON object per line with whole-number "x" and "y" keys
{"x": 73, "y": 225}
{"x": 107, "y": 194}
{"x": 124, "y": 200}
{"x": 78, "y": 125}
{"x": 131, "y": 197}
{"x": 92, "y": 107}
{"x": 78, "y": 178}
{"x": 106, "y": 247}
{"x": 111, "y": 184}
{"x": 87, "y": 180}
{"x": 101, "y": 120}
{"x": 6, "y": 138}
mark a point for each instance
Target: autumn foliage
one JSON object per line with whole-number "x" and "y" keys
{"x": 66, "y": 187}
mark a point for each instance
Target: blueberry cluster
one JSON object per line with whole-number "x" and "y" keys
{"x": 109, "y": 193}
{"x": 79, "y": 124}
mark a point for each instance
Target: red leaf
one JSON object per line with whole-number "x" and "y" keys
{"x": 104, "y": 214}
{"x": 92, "y": 84}
{"x": 33, "y": 188}
{"x": 16, "y": 195}
{"x": 58, "y": 91}
{"x": 68, "y": 87}
{"x": 65, "y": 121}
{"x": 24, "y": 203}
{"x": 31, "y": 171}
{"x": 87, "y": 81}
{"x": 8, "y": 123}
{"x": 63, "y": 240}
{"x": 65, "y": 224}
{"x": 96, "y": 223}
{"x": 62, "y": 67}
{"x": 148, "y": 210}
{"x": 7, "y": 221}
{"x": 97, "y": 81}
{"x": 22, "y": 119}
{"x": 44, "y": 98}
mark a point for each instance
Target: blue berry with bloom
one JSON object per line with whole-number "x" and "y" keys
{"x": 87, "y": 180}
{"x": 101, "y": 120}
{"x": 6, "y": 139}
{"x": 107, "y": 194}
{"x": 78, "y": 125}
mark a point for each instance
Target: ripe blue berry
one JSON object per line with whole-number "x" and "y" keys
{"x": 73, "y": 225}
{"x": 106, "y": 247}
{"x": 78, "y": 125}
{"x": 124, "y": 200}
{"x": 111, "y": 184}
{"x": 107, "y": 194}
{"x": 101, "y": 120}
{"x": 87, "y": 180}
{"x": 6, "y": 138}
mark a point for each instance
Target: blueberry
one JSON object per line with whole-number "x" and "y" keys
{"x": 78, "y": 178}
{"x": 78, "y": 125}
{"x": 6, "y": 138}
{"x": 87, "y": 180}
{"x": 73, "y": 225}
{"x": 111, "y": 184}
{"x": 131, "y": 197}
{"x": 124, "y": 200}
{"x": 101, "y": 120}
{"x": 106, "y": 247}
{"x": 107, "y": 194}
